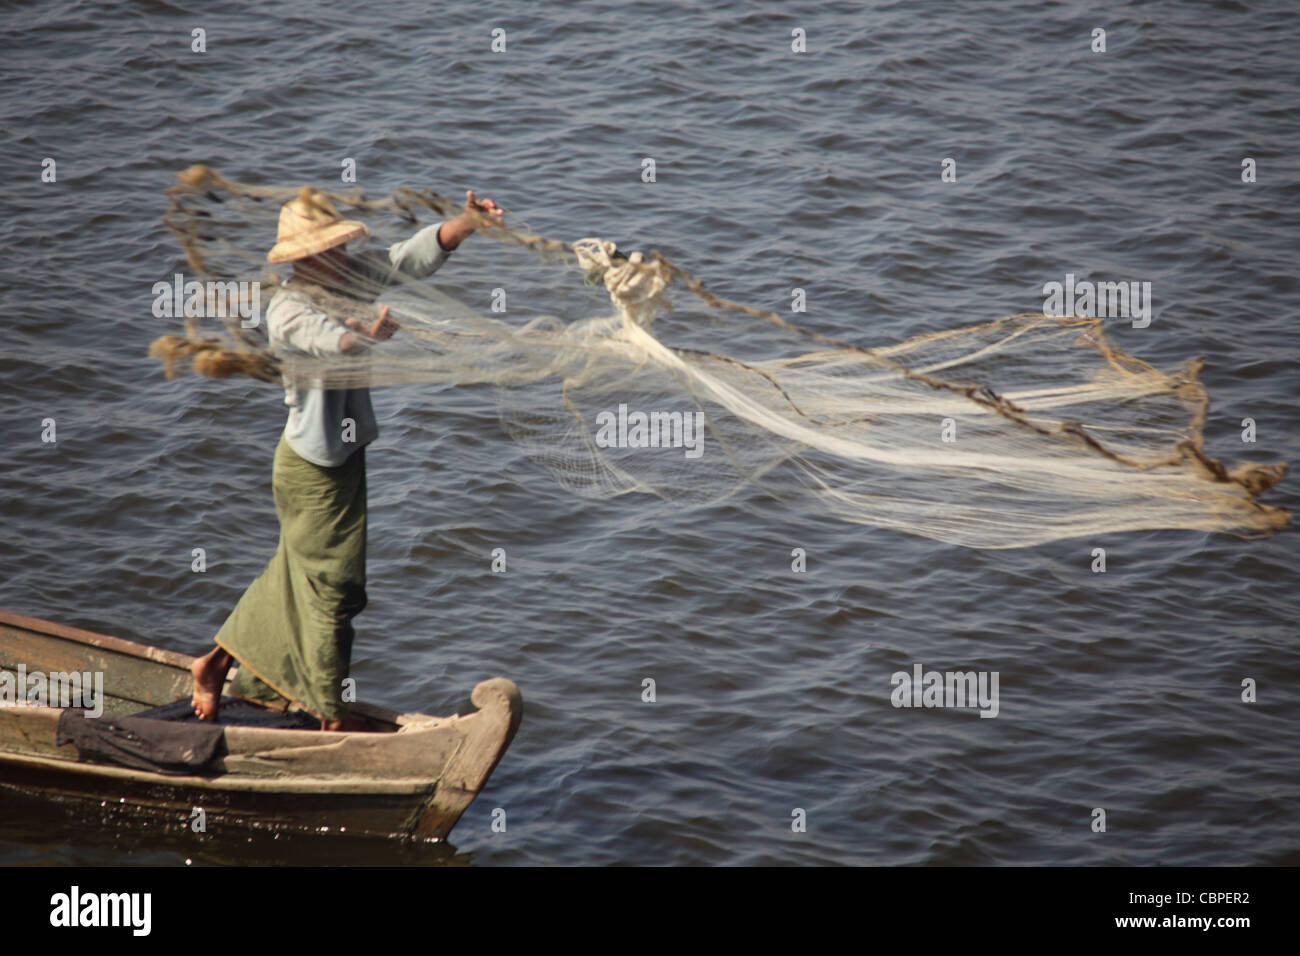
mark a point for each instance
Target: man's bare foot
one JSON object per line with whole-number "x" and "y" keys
{"x": 348, "y": 725}
{"x": 209, "y": 676}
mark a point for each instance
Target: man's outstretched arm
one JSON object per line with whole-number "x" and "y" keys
{"x": 455, "y": 231}
{"x": 425, "y": 252}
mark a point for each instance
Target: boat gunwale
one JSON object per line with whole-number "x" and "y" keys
{"x": 82, "y": 636}
{"x": 176, "y": 659}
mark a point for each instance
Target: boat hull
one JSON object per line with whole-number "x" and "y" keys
{"x": 412, "y": 778}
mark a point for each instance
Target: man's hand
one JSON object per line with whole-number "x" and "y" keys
{"x": 455, "y": 231}
{"x": 484, "y": 206}
{"x": 380, "y": 330}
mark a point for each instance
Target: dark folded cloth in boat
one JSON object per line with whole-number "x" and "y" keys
{"x": 169, "y": 739}
{"x": 155, "y": 745}
{"x": 234, "y": 712}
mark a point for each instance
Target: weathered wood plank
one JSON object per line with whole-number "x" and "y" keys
{"x": 147, "y": 682}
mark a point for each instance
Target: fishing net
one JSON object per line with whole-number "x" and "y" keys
{"x": 1011, "y": 433}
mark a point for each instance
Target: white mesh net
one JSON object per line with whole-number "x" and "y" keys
{"x": 1012, "y": 433}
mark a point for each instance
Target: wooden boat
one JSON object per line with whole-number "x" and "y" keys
{"x": 413, "y": 778}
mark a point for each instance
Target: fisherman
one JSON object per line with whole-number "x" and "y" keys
{"x": 291, "y": 632}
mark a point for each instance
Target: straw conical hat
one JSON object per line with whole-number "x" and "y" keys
{"x": 310, "y": 224}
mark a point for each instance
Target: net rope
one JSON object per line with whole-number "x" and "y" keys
{"x": 1004, "y": 434}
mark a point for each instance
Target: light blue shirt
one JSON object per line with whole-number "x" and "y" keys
{"x": 318, "y": 428}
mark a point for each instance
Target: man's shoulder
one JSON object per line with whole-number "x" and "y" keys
{"x": 294, "y": 320}
{"x": 287, "y": 303}
{"x": 285, "y": 294}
